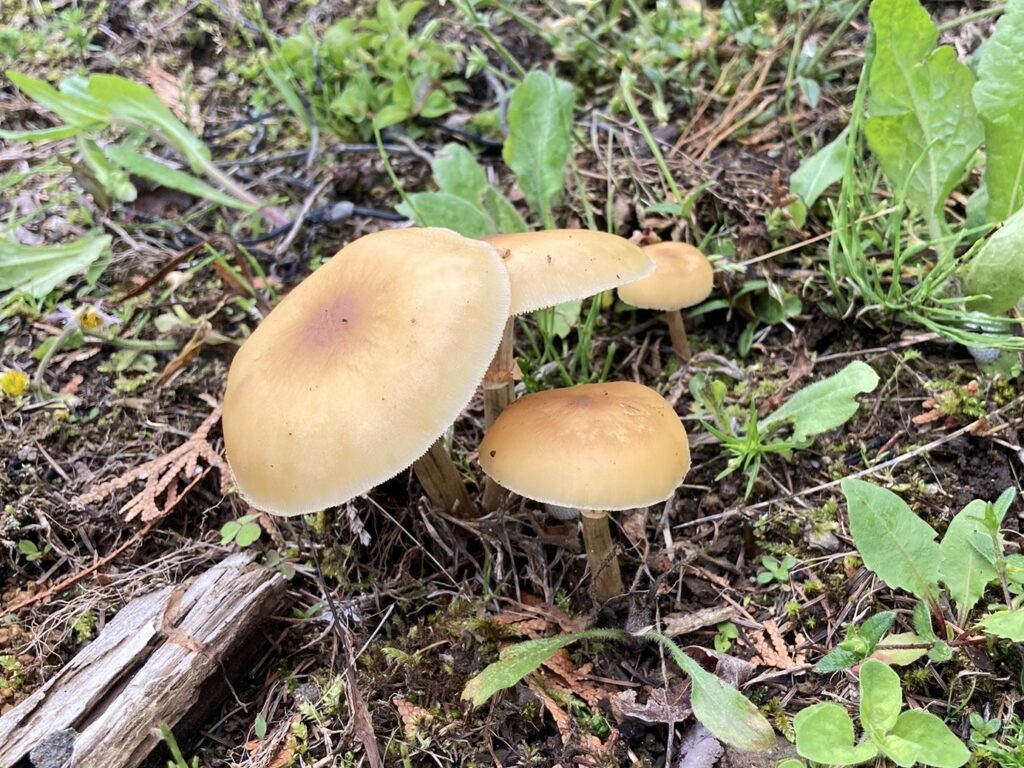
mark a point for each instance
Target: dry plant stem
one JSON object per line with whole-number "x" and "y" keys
{"x": 499, "y": 392}
{"x": 677, "y": 332}
{"x": 604, "y": 562}
{"x": 441, "y": 480}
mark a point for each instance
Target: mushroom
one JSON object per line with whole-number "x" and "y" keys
{"x": 595, "y": 447}
{"x": 682, "y": 278}
{"x": 547, "y": 268}
{"x": 360, "y": 369}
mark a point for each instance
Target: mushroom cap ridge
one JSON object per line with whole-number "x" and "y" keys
{"x": 553, "y": 266}
{"x": 362, "y": 366}
{"x": 592, "y": 446}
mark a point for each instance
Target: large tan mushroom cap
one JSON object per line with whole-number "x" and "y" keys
{"x": 592, "y": 446}
{"x": 554, "y": 266}
{"x": 362, "y": 366}
{"x": 682, "y": 278}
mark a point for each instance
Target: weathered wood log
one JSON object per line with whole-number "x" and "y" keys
{"x": 158, "y": 661}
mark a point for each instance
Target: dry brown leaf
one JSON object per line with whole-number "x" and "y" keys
{"x": 662, "y": 706}
{"x": 187, "y": 354}
{"x": 634, "y": 525}
{"x": 561, "y": 664}
{"x": 563, "y": 722}
{"x": 163, "y": 474}
{"x": 772, "y": 650}
{"x": 167, "y": 89}
{"x": 684, "y": 623}
{"x": 411, "y": 715}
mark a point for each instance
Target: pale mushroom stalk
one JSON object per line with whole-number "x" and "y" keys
{"x": 499, "y": 392}
{"x": 442, "y": 482}
{"x": 601, "y": 554}
{"x": 677, "y": 333}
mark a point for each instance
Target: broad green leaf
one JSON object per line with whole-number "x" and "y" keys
{"x": 505, "y": 215}
{"x": 1006, "y": 624}
{"x": 922, "y": 127}
{"x": 897, "y": 749}
{"x": 837, "y": 660}
{"x": 821, "y": 170}
{"x": 935, "y": 744}
{"x": 37, "y": 270}
{"x": 826, "y": 404}
{"x": 247, "y": 534}
{"x": 1000, "y": 102}
{"x": 171, "y": 177}
{"x": 899, "y": 657}
{"x": 881, "y": 698}
{"x": 72, "y": 109}
{"x": 458, "y": 173}
{"x": 110, "y": 176}
{"x": 727, "y": 713}
{"x": 998, "y": 269}
{"x": 540, "y": 138}
{"x": 442, "y": 209}
{"x": 896, "y": 545}
{"x": 964, "y": 570}
{"x": 125, "y": 98}
{"x": 519, "y": 660}
{"x": 558, "y": 321}
{"x": 824, "y": 734}
{"x": 791, "y": 762}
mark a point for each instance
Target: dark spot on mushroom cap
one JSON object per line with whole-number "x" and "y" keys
{"x": 493, "y": 454}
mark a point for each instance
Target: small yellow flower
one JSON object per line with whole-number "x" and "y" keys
{"x": 90, "y": 319}
{"x": 13, "y": 383}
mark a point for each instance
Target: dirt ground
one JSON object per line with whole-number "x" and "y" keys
{"x": 428, "y": 600}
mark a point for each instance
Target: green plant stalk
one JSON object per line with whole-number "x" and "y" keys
{"x": 626, "y": 86}
{"x": 485, "y": 29}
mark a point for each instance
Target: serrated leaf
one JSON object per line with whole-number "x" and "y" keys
{"x": 539, "y": 138}
{"x": 998, "y": 269}
{"x": 873, "y": 628}
{"x": 935, "y": 744}
{"x": 1000, "y": 103}
{"x": 896, "y": 545}
{"x": 826, "y": 404}
{"x": 1006, "y": 624}
{"x": 899, "y": 657}
{"x": 39, "y": 269}
{"x": 442, "y": 209}
{"x": 172, "y": 178}
{"x": 963, "y": 569}
{"x": 881, "y": 698}
{"x": 727, "y": 713}
{"x": 821, "y": 170}
{"x": 519, "y": 660}
{"x": 136, "y": 102}
{"x": 824, "y": 734}
{"x": 837, "y": 660}
{"x": 922, "y": 127}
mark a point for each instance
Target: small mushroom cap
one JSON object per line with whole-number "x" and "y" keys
{"x": 550, "y": 267}
{"x": 362, "y": 366}
{"x": 592, "y": 446}
{"x": 682, "y": 278}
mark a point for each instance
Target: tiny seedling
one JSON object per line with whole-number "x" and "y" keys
{"x": 860, "y": 642}
{"x": 775, "y": 570}
{"x": 244, "y": 531}
{"x": 177, "y": 759}
{"x": 726, "y": 635}
{"x": 825, "y": 732}
{"x": 31, "y": 551}
{"x": 817, "y": 408}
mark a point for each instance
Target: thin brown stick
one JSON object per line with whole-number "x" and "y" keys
{"x": 601, "y": 554}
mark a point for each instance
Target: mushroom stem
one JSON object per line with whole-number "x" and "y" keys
{"x": 677, "y": 332}
{"x": 604, "y": 562}
{"x": 499, "y": 392}
{"x": 441, "y": 480}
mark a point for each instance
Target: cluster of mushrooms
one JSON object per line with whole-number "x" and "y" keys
{"x": 361, "y": 369}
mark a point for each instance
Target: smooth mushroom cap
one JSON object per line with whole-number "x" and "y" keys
{"x": 682, "y": 278}
{"x": 362, "y": 366}
{"x": 592, "y": 446}
{"x": 550, "y": 267}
